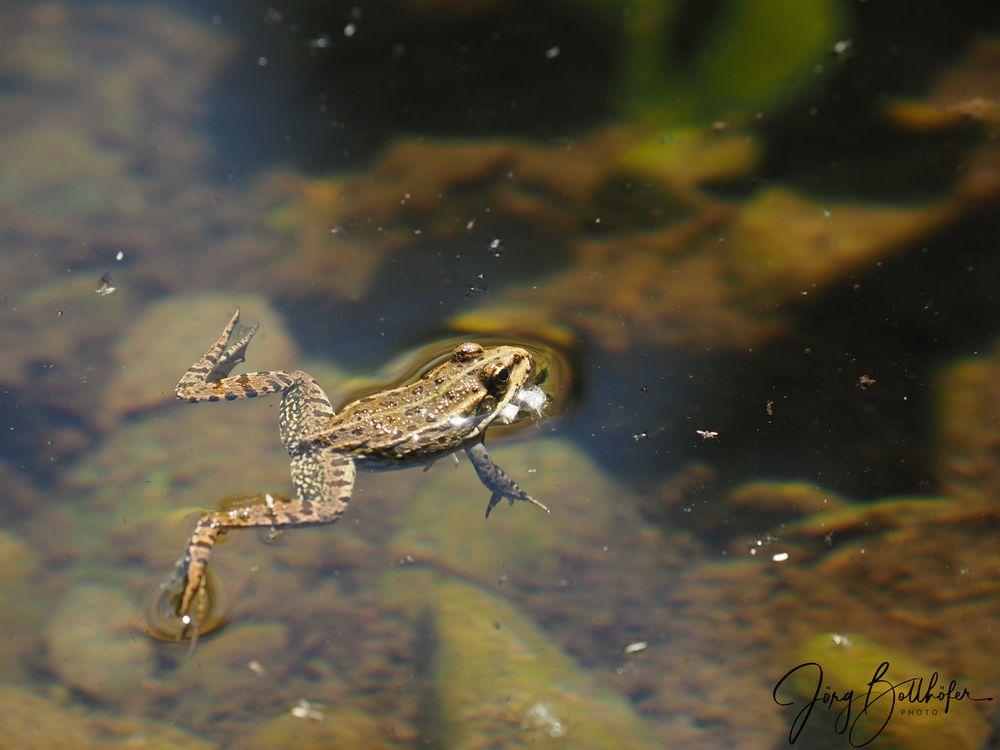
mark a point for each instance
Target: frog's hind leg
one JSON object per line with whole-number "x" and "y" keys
{"x": 208, "y": 379}
{"x": 323, "y": 480}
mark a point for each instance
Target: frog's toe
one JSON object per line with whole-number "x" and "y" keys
{"x": 494, "y": 499}
{"x": 530, "y": 499}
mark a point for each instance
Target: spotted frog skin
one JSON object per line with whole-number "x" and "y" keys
{"x": 448, "y": 408}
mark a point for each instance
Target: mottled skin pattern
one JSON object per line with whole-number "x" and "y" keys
{"x": 448, "y": 408}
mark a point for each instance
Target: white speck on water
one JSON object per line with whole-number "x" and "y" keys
{"x": 541, "y": 716}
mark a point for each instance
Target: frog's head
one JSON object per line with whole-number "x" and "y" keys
{"x": 502, "y": 371}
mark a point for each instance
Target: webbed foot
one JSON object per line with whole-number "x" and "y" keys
{"x": 496, "y": 497}
{"x": 497, "y": 480}
{"x": 235, "y": 351}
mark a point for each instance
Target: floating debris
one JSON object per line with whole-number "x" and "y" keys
{"x": 865, "y": 382}
{"x": 322, "y": 41}
{"x": 105, "y": 287}
{"x": 636, "y": 647}
{"x": 306, "y": 710}
{"x": 541, "y": 716}
{"x": 707, "y": 434}
{"x": 256, "y": 667}
{"x": 762, "y": 542}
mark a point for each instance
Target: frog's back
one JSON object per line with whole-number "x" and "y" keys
{"x": 415, "y": 422}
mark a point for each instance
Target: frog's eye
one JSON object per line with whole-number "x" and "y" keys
{"x": 502, "y": 376}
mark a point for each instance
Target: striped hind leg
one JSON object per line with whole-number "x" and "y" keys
{"x": 208, "y": 379}
{"x": 323, "y": 481}
{"x": 322, "y": 477}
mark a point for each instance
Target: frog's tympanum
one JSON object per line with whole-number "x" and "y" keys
{"x": 448, "y": 408}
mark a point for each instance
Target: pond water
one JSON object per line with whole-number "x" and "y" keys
{"x": 754, "y": 246}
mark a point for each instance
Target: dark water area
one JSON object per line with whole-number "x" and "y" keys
{"x": 754, "y": 250}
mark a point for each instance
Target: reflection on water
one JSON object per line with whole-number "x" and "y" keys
{"x": 840, "y": 350}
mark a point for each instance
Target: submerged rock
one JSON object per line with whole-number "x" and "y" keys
{"x": 95, "y": 645}
{"x": 29, "y": 721}
{"x": 163, "y": 342}
{"x": 494, "y": 679}
{"x": 21, "y": 610}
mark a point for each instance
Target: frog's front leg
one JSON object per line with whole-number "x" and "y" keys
{"x": 323, "y": 481}
{"x": 496, "y": 479}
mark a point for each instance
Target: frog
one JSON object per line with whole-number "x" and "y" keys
{"x": 447, "y": 409}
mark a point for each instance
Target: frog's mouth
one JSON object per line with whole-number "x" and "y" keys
{"x": 527, "y": 401}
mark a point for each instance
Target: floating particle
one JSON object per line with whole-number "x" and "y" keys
{"x": 541, "y": 717}
{"x": 769, "y": 408}
{"x": 105, "y": 288}
{"x": 635, "y": 648}
{"x": 843, "y": 49}
{"x": 306, "y": 710}
{"x": 762, "y": 542}
{"x": 707, "y": 434}
{"x": 865, "y": 382}
{"x": 256, "y": 667}
{"x": 551, "y": 53}
{"x": 779, "y": 556}
{"x": 120, "y": 255}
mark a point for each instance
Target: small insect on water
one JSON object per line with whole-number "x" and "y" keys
{"x": 447, "y": 409}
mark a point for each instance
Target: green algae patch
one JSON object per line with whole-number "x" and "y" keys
{"x": 781, "y": 243}
{"x": 883, "y": 695}
{"x": 754, "y": 56}
{"x": 494, "y": 679}
{"x": 968, "y": 463}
